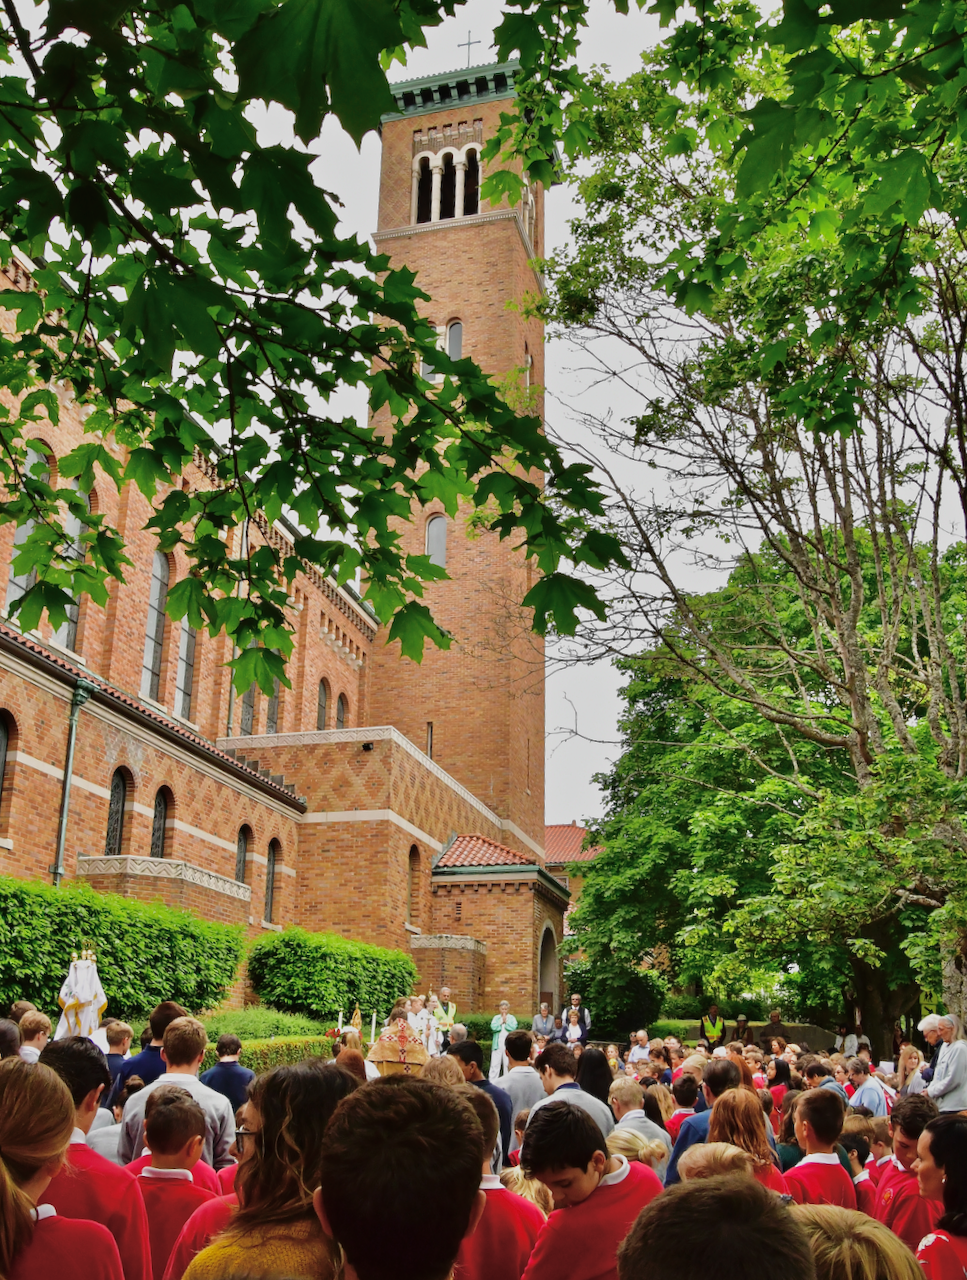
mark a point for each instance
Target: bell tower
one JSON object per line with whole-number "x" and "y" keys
{"x": 478, "y": 708}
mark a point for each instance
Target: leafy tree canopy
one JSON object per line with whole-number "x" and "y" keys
{"x": 191, "y": 288}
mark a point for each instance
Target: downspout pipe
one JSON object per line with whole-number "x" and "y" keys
{"x": 82, "y": 692}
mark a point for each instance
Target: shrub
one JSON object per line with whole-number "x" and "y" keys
{"x": 146, "y": 952}
{"x": 755, "y": 1007}
{"x": 683, "y": 1028}
{"x": 320, "y": 973}
{"x": 681, "y": 1006}
{"x": 258, "y": 1023}
{"x": 262, "y": 1055}
{"x": 620, "y": 999}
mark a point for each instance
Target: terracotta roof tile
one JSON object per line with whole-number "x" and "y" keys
{"x": 563, "y": 841}
{"x": 478, "y": 851}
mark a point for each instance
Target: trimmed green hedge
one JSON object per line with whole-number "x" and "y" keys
{"x": 262, "y": 1055}
{"x": 258, "y": 1023}
{"x": 673, "y": 1027}
{"x": 320, "y": 973}
{"x": 146, "y": 952}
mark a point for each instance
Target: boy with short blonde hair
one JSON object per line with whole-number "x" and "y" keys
{"x": 35, "y": 1030}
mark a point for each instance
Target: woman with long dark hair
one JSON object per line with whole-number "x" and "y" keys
{"x": 941, "y": 1169}
{"x": 779, "y": 1078}
{"x": 274, "y": 1230}
{"x": 594, "y": 1074}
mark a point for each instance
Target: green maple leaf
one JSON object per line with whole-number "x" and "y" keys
{"x": 303, "y": 48}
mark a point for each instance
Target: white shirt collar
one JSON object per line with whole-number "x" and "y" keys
{"x": 41, "y": 1211}
{"x": 884, "y": 1159}
{"x": 820, "y": 1157}
{"x": 170, "y": 1175}
{"x": 619, "y": 1174}
{"x": 861, "y": 1177}
{"x": 637, "y": 1114}
{"x": 78, "y": 1135}
{"x": 526, "y": 1067}
{"x": 491, "y": 1182}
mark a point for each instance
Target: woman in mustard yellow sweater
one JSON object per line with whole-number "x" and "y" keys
{"x": 274, "y": 1231}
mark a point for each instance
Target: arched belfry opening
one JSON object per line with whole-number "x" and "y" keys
{"x": 548, "y": 969}
{"x": 471, "y": 186}
{"x": 448, "y": 188}
{"x": 424, "y": 192}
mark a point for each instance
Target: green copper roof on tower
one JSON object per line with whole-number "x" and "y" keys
{"x": 446, "y": 89}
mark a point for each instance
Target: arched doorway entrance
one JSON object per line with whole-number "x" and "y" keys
{"x": 549, "y": 969}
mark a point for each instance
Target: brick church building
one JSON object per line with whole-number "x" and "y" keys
{"x": 396, "y": 803}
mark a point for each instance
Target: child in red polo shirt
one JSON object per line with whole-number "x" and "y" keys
{"x": 501, "y": 1245}
{"x": 89, "y": 1186}
{"x": 597, "y": 1197}
{"x": 174, "y": 1131}
{"x": 36, "y": 1121}
{"x": 819, "y": 1178}
{"x": 899, "y": 1204}
{"x": 685, "y": 1093}
{"x": 858, "y": 1151}
{"x": 881, "y": 1148}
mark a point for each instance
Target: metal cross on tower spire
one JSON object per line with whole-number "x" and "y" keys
{"x": 465, "y": 44}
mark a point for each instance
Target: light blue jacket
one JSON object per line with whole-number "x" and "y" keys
{"x": 870, "y": 1095}
{"x": 948, "y": 1088}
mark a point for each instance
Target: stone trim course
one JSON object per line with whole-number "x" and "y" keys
{"x": 162, "y": 869}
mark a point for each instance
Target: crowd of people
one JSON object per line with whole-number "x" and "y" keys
{"x": 580, "y": 1160}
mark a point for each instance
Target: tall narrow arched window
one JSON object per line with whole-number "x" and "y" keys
{"x": 270, "y": 865}
{"x": 272, "y": 709}
{"x": 241, "y": 854}
{"x": 471, "y": 188}
{"x": 185, "y": 682}
{"x": 154, "y": 636}
{"x": 66, "y": 633}
{"x": 436, "y": 540}
{"x": 413, "y": 887}
{"x": 248, "y": 711}
{"x": 340, "y": 712}
{"x": 455, "y": 340}
{"x": 115, "y": 815}
{"x": 323, "y": 706}
{"x": 19, "y": 583}
{"x": 159, "y": 825}
{"x": 4, "y": 743}
{"x": 424, "y": 196}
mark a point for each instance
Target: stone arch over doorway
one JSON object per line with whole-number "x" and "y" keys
{"x": 548, "y": 968}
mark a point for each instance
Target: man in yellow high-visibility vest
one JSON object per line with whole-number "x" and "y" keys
{"x": 713, "y": 1027}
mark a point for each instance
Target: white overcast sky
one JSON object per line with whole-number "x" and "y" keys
{"x": 585, "y": 697}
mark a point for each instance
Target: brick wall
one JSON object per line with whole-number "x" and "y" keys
{"x": 455, "y": 961}
{"x": 512, "y": 916}
{"x": 485, "y": 696}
